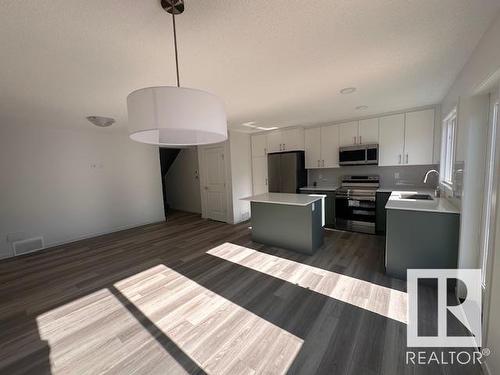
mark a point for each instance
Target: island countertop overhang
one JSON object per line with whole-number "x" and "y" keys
{"x": 285, "y": 198}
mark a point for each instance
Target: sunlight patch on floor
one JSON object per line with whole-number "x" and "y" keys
{"x": 217, "y": 334}
{"x": 381, "y": 300}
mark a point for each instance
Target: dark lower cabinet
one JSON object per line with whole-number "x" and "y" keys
{"x": 380, "y": 212}
{"x": 329, "y": 205}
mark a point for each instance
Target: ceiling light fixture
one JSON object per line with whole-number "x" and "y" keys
{"x": 100, "y": 121}
{"x": 264, "y": 128}
{"x": 174, "y": 115}
{"x": 361, "y": 107}
{"x": 348, "y": 90}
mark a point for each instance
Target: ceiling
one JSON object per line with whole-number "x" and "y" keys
{"x": 274, "y": 62}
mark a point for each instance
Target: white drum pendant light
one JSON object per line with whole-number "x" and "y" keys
{"x": 175, "y": 116}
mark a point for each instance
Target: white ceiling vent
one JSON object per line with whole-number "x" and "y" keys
{"x": 28, "y": 245}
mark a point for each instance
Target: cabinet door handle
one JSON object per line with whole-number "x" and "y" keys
{"x": 406, "y": 158}
{"x": 284, "y": 147}
{"x": 399, "y": 162}
{"x": 318, "y": 163}
{"x": 354, "y": 140}
{"x": 360, "y": 140}
{"x": 266, "y": 181}
{"x": 323, "y": 162}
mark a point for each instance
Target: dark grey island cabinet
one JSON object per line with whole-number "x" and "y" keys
{"x": 426, "y": 238}
{"x": 289, "y": 221}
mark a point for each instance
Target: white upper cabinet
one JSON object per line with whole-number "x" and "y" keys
{"x": 286, "y": 140}
{"x": 293, "y": 139}
{"x": 322, "y": 147}
{"x": 419, "y": 137}
{"x": 391, "y": 139}
{"x": 313, "y": 147}
{"x": 274, "y": 143}
{"x": 329, "y": 146}
{"x": 348, "y": 133}
{"x": 368, "y": 131}
{"x": 259, "y": 145}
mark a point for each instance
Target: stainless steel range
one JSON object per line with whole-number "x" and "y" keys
{"x": 355, "y": 203}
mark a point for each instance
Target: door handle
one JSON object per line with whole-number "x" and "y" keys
{"x": 360, "y": 140}
{"x": 406, "y": 158}
{"x": 399, "y": 159}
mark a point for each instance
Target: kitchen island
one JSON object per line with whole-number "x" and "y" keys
{"x": 290, "y": 221}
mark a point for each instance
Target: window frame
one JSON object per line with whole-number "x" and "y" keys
{"x": 448, "y": 149}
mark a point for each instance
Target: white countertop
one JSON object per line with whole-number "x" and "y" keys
{"x": 319, "y": 188}
{"x": 390, "y": 189}
{"x": 438, "y": 205}
{"x": 285, "y": 198}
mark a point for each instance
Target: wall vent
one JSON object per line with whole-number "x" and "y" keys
{"x": 27, "y": 246}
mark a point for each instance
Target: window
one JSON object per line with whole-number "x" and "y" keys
{"x": 448, "y": 148}
{"x": 489, "y": 204}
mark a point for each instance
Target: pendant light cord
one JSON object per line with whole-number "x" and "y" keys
{"x": 175, "y": 46}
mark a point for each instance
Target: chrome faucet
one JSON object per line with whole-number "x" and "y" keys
{"x": 428, "y": 173}
{"x": 437, "y": 192}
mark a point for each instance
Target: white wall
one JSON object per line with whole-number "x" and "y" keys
{"x": 50, "y": 187}
{"x": 241, "y": 174}
{"x": 183, "y": 183}
{"x": 483, "y": 64}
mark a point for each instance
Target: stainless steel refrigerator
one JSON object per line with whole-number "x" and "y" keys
{"x": 286, "y": 172}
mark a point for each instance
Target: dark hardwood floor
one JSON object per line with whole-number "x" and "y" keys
{"x": 197, "y": 296}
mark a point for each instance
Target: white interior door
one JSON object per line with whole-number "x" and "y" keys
{"x": 419, "y": 137}
{"x": 391, "y": 139}
{"x": 348, "y": 133}
{"x": 368, "y": 130}
{"x": 213, "y": 186}
{"x": 330, "y": 146}
{"x": 313, "y": 148}
{"x": 259, "y": 175}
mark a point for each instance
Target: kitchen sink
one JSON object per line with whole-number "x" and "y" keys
{"x": 413, "y": 199}
{"x": 418, "y": 197}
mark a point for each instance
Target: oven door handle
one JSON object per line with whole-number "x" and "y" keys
{"x": 356, "y": 198}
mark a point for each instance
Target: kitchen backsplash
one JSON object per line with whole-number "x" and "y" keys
{"x": 389, "y": 176}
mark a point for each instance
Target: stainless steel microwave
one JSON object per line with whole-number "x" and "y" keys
{"x": 359, "y": 155}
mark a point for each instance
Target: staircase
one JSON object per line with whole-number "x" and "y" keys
{"x": 167, "y": 158}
